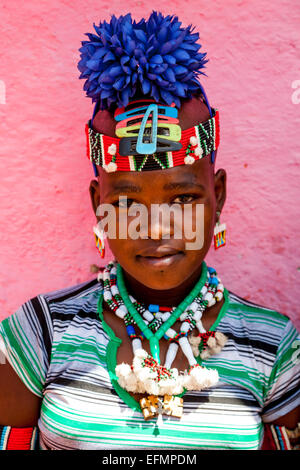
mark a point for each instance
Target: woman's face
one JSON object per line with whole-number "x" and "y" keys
{"x": 169, "y": 248}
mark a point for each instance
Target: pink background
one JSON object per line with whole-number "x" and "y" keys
{"x": 46, "y": 213}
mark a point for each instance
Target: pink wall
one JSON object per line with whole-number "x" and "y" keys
{"x": 46, "y": 214}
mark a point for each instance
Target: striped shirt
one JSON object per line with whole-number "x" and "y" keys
{"x": 60, "y": 349}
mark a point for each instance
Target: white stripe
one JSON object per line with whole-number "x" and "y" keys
{"x": 170, "y": 159}
{"x": 6, "y": 436}
{"x": 131, "y": 163}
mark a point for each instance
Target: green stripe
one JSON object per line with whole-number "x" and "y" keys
{"x": 143, "y": 430}
{"x": 22, "y": 358}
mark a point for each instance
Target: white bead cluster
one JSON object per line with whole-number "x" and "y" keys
{"x": 141, "y": 379}
{"x": 198, "y": 151}
{"x": 112, "y": 166}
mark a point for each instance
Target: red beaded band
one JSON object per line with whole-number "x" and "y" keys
{"x": 197, "y": 142}
{"x": 12, "y": 438}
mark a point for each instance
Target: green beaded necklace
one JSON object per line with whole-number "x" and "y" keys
{"x": 155, "y": 337}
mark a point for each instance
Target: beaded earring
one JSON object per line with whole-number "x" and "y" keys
{"x": 99, "y": 239}
{"x": 219, "y": 233}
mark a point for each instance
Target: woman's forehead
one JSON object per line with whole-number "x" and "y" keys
{"x": 200, "y": 173}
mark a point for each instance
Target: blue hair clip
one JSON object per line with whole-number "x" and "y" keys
{"x": 167, "y": 111}
{"x": 148, "y": 148}
{"x": 94, "y": 114}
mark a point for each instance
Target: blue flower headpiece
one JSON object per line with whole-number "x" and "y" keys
{"x": 156, "y": 57}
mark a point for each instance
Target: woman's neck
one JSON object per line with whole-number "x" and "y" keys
{"x": 168, "y": 298}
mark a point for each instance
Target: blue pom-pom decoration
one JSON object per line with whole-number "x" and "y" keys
{"x": 156, "y": 57}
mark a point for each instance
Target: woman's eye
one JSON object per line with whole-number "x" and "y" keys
{"x": 184, "y": 199}
{"x": 124, "y": 203}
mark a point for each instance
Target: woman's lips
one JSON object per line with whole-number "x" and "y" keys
{"x": 161, "y": 261}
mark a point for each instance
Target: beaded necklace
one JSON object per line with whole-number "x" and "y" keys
{"x": 146, "y": 374}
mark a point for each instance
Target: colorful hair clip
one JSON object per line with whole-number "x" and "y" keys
{"x": 145, "y": 148}
{"x": 121, "y": 114}
{"x": 164, "y": 130}
{"x": 138, "y": 119}
{"x": 127, "y": 146}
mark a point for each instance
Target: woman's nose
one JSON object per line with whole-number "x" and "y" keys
{"x": 163, "y": 219}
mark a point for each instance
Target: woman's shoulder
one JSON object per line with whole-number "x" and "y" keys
{"x": 257, "y": 317}
{"x": 250, "y": 305}
{"x": 65, "y": 303}
{"x": 72, "y": 293}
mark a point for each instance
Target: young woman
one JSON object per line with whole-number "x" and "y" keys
{"x": 154, "y": 352}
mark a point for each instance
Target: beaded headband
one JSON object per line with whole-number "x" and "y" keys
{"x": 197, "y": 142}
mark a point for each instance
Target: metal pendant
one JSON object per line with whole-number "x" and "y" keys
{"x": 153, "y": 406}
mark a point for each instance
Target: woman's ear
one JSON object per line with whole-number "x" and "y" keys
{"x": 94, "y": 194}
{"x": 220, "y": 189}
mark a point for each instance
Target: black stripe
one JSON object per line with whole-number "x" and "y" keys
{"x": 75, "y": 292}
{"x": 41, "y": 318}
{"x": 256, "y": 344}
{"x": 282, "y": 399}
{"x": 69, "y": 316}
{"x": 225, "y": 400}
{"x": 84, "y": 386}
